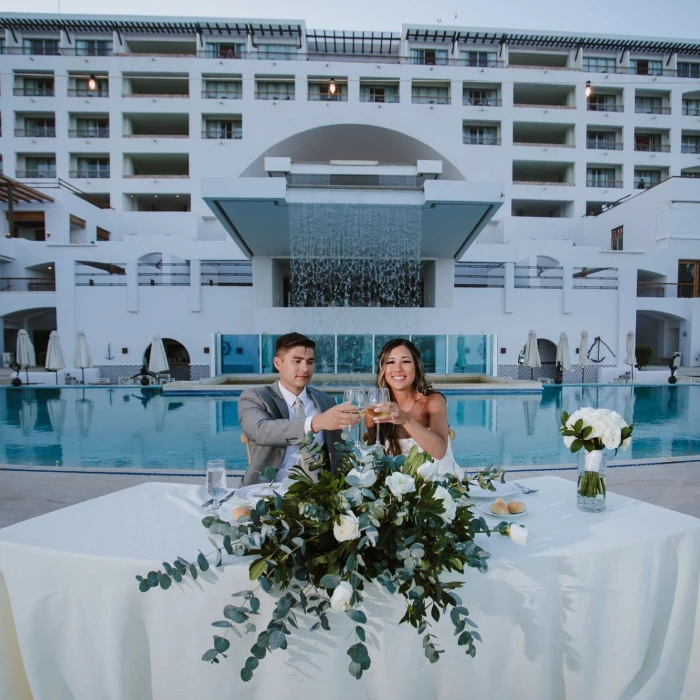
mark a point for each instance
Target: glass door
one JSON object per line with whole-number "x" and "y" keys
{"x": 688, "y": 279}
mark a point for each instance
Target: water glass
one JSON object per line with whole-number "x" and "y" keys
{"x": 216, "y": 483}
{"x": 357, "y": 398}
{"x": 375, "y": 397}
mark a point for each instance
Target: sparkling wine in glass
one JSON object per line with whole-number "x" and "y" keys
{"x": 216, "y": 483}
{"x": 375, "y": 397}
{"x": 357, "y": 398}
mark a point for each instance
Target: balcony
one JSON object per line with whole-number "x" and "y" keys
{"x": 481, "y": 102}
{"x": 605, "y": 107}
{"x": 481, "y": 140}
{"x": 35, "y": 174}
{"x": 691, "y": 111}
{"x": 224, "y": 134}
{"x": 323, "y": 97}
{"x": 88, "y": 133}
{"x": 603, "y": 182}
{"x": 651, "y": 109}
{"x": 273, "y": 96}
{"x": 27, "y": 284}
{"x": 603, "y": 145}
{"x": 693, "y": 148}
{"x": 652, "y": 147}
{"x": 436, "y": 100}
{"x": 38, "y": 132}
{"x": 379, "y": 98}
{"x": 673, "y": 290}
{"x": 90, "y": 173}
{"x": 86, "y": 92}
{"x": 543, "y": 173}
{"x": 33, "y": 92}
{"x": 547, "y": 135}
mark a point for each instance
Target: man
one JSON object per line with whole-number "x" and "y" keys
{"x": 289, "y": 409}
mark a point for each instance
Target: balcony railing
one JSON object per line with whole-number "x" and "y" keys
{"x": 33, "y": 92}
{"x": 88, "y": 276}
{"x": 55, "y": 51}
{"x": 548, "y": 183}
{"x": 653, "y": 147}
{"x": 583, "y": 278}
{"x": 227, "y": 273}
{"x": 604, "y": 145}
{"x": 675, "y": 290}
{"x": 629, "y": 70}
{"x": 538, "y": 277}
{"x": 33, "y": 173}
{"x": 691, "y": 111}
{"x": 88, "y": 133}
{"x": 598, "y": 107}
{"x": 602, "y": 182}
{"x": 164, "y": 275}
{"x": 90, "y": 173}
{"x": 379, "y": 98}
{"x": 543, "y": 144}
{"x": 690, "y": 148}
{"x": 481, "y": 140}
{"x": 86, "y": 92}
{"x": 421, "y": 100}
{"x": 651, "y": 109}
{"x": 37, "y": 132}
{"x": 480, "y": 275}
{"x": 27, "y": 284}
{"x": 273, "y": 96}
{"x": 221, "y": 95}
{"x": 481, "y": 102}
{"x": 532, "y": 105}
{"x": 237, "y": 133}
{"x": 318, "y": 97}
{"x": 156, "y": 95}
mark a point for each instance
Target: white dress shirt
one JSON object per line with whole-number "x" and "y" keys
{"x": 291, "y": 455}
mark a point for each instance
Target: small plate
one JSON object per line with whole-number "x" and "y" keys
{"x": 254, "y": 492}
{"x": 501, "y": 490}
{"x": 486, "y": 510}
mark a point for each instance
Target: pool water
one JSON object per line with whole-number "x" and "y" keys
{"x": 130, "y": 429}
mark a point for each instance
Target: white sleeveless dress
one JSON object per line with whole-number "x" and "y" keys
{"x": 446, "y": 465}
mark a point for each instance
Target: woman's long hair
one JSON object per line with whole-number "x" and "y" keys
{"x": 419, "y": 386}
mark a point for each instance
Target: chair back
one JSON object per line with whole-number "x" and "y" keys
{"x": 244, "y": 440}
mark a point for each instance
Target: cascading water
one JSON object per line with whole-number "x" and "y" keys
{"x": 355, "y": 255}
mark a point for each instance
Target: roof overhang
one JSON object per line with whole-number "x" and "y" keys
{"x": 255, "y": 211}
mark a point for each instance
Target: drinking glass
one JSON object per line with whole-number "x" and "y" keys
{"x": 374, "y": 398}
{"x": 216, "y": 483}
{"x": 357, "y": 398}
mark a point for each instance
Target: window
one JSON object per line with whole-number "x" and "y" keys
{"x": 223, "y": 129}
{"x": 602, "y": 103}
{"x": 40, "y": 167}
{"x": 93, "y": 47}
{"x": 320, "y": 92}
{"x": 603, "y": 140}
{"x": 426, "y": 94}
{"x": 644, "y": 179}
{"x": 41, "y": 47}
{"x": 277, "y": 51}
{"x": 92, "y": 168}
{"x": 429, "y": 57}
{"x": 616, "y": 238}
{"x": 481, "y": 97}
{"x": 37, "y": 87}
{"x": 379, "y": 93}
{"x": 92, "y": 128}
{"x": 480, "y": 135}
{"x": 484, "y": 59}
{"x": 224, "y": 50}
{"x": 275, "y": 91}
{"x": 601, "y": 177}
{"x": 81, "y": 88}
{"x": 647, "y": 142}
{"x": 688, "y": 279}
{"x": 39, "y": 127}
{"x": 222, "y": 89}
{"x": 648, "y": 105}
{"x": 686, "y": 69}
{"x": 640, "y": 66}
{"x": 599, "y": 64}
{"x": 690, "y": 143}
{"x": 691, "y": 108}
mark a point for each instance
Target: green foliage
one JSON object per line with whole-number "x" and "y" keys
{"x": 405, "y": 542}
{"x": 643, "y": 353}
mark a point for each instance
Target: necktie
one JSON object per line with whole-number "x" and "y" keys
{"x": 299, "y": 411}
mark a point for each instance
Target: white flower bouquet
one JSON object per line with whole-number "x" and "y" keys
{"x": 376, "y": 520}
{"x": 594, "y": 430}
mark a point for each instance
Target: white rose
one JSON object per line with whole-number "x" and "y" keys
{"x": 400, "y": 484}
{"x": 340, "y": 600}
{"x": 517, "y": 533}
{"x": 611, "y": 437}
{"x": 348, "y": 528}
{"x": 366, "y": 477}
{"x": 442, "y": 494}
{"x": 569, "y": 440}
{"x": 625, "y": 443}
{"x": 427, "y": 471}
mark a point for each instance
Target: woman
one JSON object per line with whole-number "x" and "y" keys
{"x": 416, "y": 415}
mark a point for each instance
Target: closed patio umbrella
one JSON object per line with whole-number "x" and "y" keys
{"x": 57, "y": 415}
{"x": 631, "y": 359}
{"x": 532, "y": 354}
{"x": 26, "y": 357}
{"x": 82, "y": 358}
{"x": 54, "y": 355}
{"x": 159, "y": 406}
{"x": 583, "y": 353}
{"x": 27, "y": 416}
{"x": 530, "y": 409}
{"x": 563, "y": 356}
{"x": 158, "y": 362}
{"x": 84, "y": 409}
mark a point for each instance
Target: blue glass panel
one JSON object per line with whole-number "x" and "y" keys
{"x": 240, "y": 354}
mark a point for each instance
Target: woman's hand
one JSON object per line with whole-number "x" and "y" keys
{"x": 394, "y": 413}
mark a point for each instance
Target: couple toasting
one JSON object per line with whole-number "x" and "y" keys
{"x": 272, "y": 415}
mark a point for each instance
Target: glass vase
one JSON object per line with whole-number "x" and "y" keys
{"x": 591, "y": 491}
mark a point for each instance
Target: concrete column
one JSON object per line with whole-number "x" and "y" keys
{"x": 566, "y": 288}
{"x": 444, "y": 283}
{"x": 262, "y": 282}
{"x": 132, "y": 286}
{"x": 626, "y": 309}
{"x": 196, "y": 285}
{"x": 67, "y": 321}
{"x": 508, "y": 288}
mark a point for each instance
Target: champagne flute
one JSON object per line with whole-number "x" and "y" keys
{"x": 375, "y": 397}
{"x": 216, "y": 483}
{"x": 358, "y": 399}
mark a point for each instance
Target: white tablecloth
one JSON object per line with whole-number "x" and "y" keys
{"x": 596, "y": 607}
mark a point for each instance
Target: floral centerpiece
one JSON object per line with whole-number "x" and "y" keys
{"x": 594, "y": 430}
{"x": 384, "y": 520}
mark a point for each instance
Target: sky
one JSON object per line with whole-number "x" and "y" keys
{"x": 663, "y": 18}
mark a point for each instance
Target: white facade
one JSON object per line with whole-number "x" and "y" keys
{"x": 181, "y": 102}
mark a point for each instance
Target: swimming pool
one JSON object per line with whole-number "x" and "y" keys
{"x": 127, "y": 429}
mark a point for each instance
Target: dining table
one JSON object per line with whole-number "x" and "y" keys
{"x": 595, "y": 606}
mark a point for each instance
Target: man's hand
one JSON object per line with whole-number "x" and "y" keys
{"x": 340, "y": 417}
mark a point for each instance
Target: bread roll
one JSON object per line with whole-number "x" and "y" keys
{"x": 515, "y": 507}
{"x": 240, "y": 511}
{"x": 499, "y": 507}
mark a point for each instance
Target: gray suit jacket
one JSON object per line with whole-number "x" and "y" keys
{"x": 264, "y": 417}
